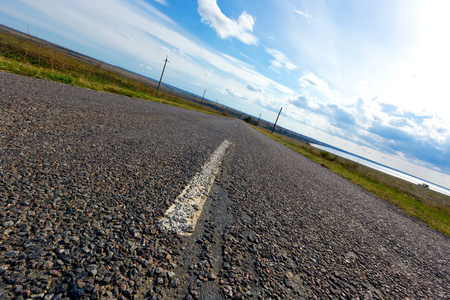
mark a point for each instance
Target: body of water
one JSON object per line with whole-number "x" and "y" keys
{"x": 385, "y": 169}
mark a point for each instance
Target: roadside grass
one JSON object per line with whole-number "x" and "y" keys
{"x": 431, "y": 207}
{"x": 25, "y": 57}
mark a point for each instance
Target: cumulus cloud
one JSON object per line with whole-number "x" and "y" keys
{"x": 300, "y": 101}
{"x": 253, "y": 88}
{"x": 399, "y": 122}
{"x": 410, "y": 145}
{"x": 269, "y": 105}
{"x": 392, "y": 134}
{"x": 280, "y": 61}
{"x": 383, "y": 126}
{"x": 311, "y": 80}
{"x": 388, "y": 108}
{"x": 340, "y": 116}
{"x": 231, "y": 92}
{"x": 224, "y": 26}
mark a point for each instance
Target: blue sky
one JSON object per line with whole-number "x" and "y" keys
{"x": 369, "y": 77}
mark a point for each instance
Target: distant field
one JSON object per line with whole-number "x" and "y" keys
{"x": 35, "y": 58}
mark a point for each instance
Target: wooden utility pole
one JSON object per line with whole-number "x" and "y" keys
{"x": 258, "y": 120}
{"x": 276, "y": 120}
{"x": 162, "y": 73}
{"x": 202, "y": 98}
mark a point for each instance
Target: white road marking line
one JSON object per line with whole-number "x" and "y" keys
{"x": 182, "y": 216}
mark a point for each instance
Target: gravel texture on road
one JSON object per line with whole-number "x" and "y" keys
{"x": 299, "y": 231}
{"x": 86, "y": 176}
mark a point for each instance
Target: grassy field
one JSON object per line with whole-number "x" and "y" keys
{"x": 422, "y": 203}
{"x": 25, "y": 57}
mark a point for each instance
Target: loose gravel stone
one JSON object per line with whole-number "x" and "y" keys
{"x": 175, "y": 282}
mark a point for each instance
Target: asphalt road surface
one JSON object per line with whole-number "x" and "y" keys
{"x": 86, "y": 177}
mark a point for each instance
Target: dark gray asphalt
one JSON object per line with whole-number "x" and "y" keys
{"x": 85, "y": 177}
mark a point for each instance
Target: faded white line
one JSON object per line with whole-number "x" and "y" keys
{"x": 182, "y": 216}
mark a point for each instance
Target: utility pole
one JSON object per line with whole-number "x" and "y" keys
{"x": 162, "y": 73}
{"x": 258, "y": 120}
{"x": 202, "y": 98}
{"x": 276, "y": 120}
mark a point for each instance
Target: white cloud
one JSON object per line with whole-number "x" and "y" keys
{"x": 165, "y": 49}
{"x": 243, "y": 55}
{"x": 224, "y": 26}
{"x": 196, "y": 83}
{"x": 230, "y": 92}
{"x": 311, "y": 80}
{"x": 150, "y": 68}
{"x": 182, "y": 53}
{"x": 253, "y": 88}
{"x": 418, "y": 138}
{"x": 302, "y": 13}
{"x": 280, "y": 61}
{"x": 163, "y": 2}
